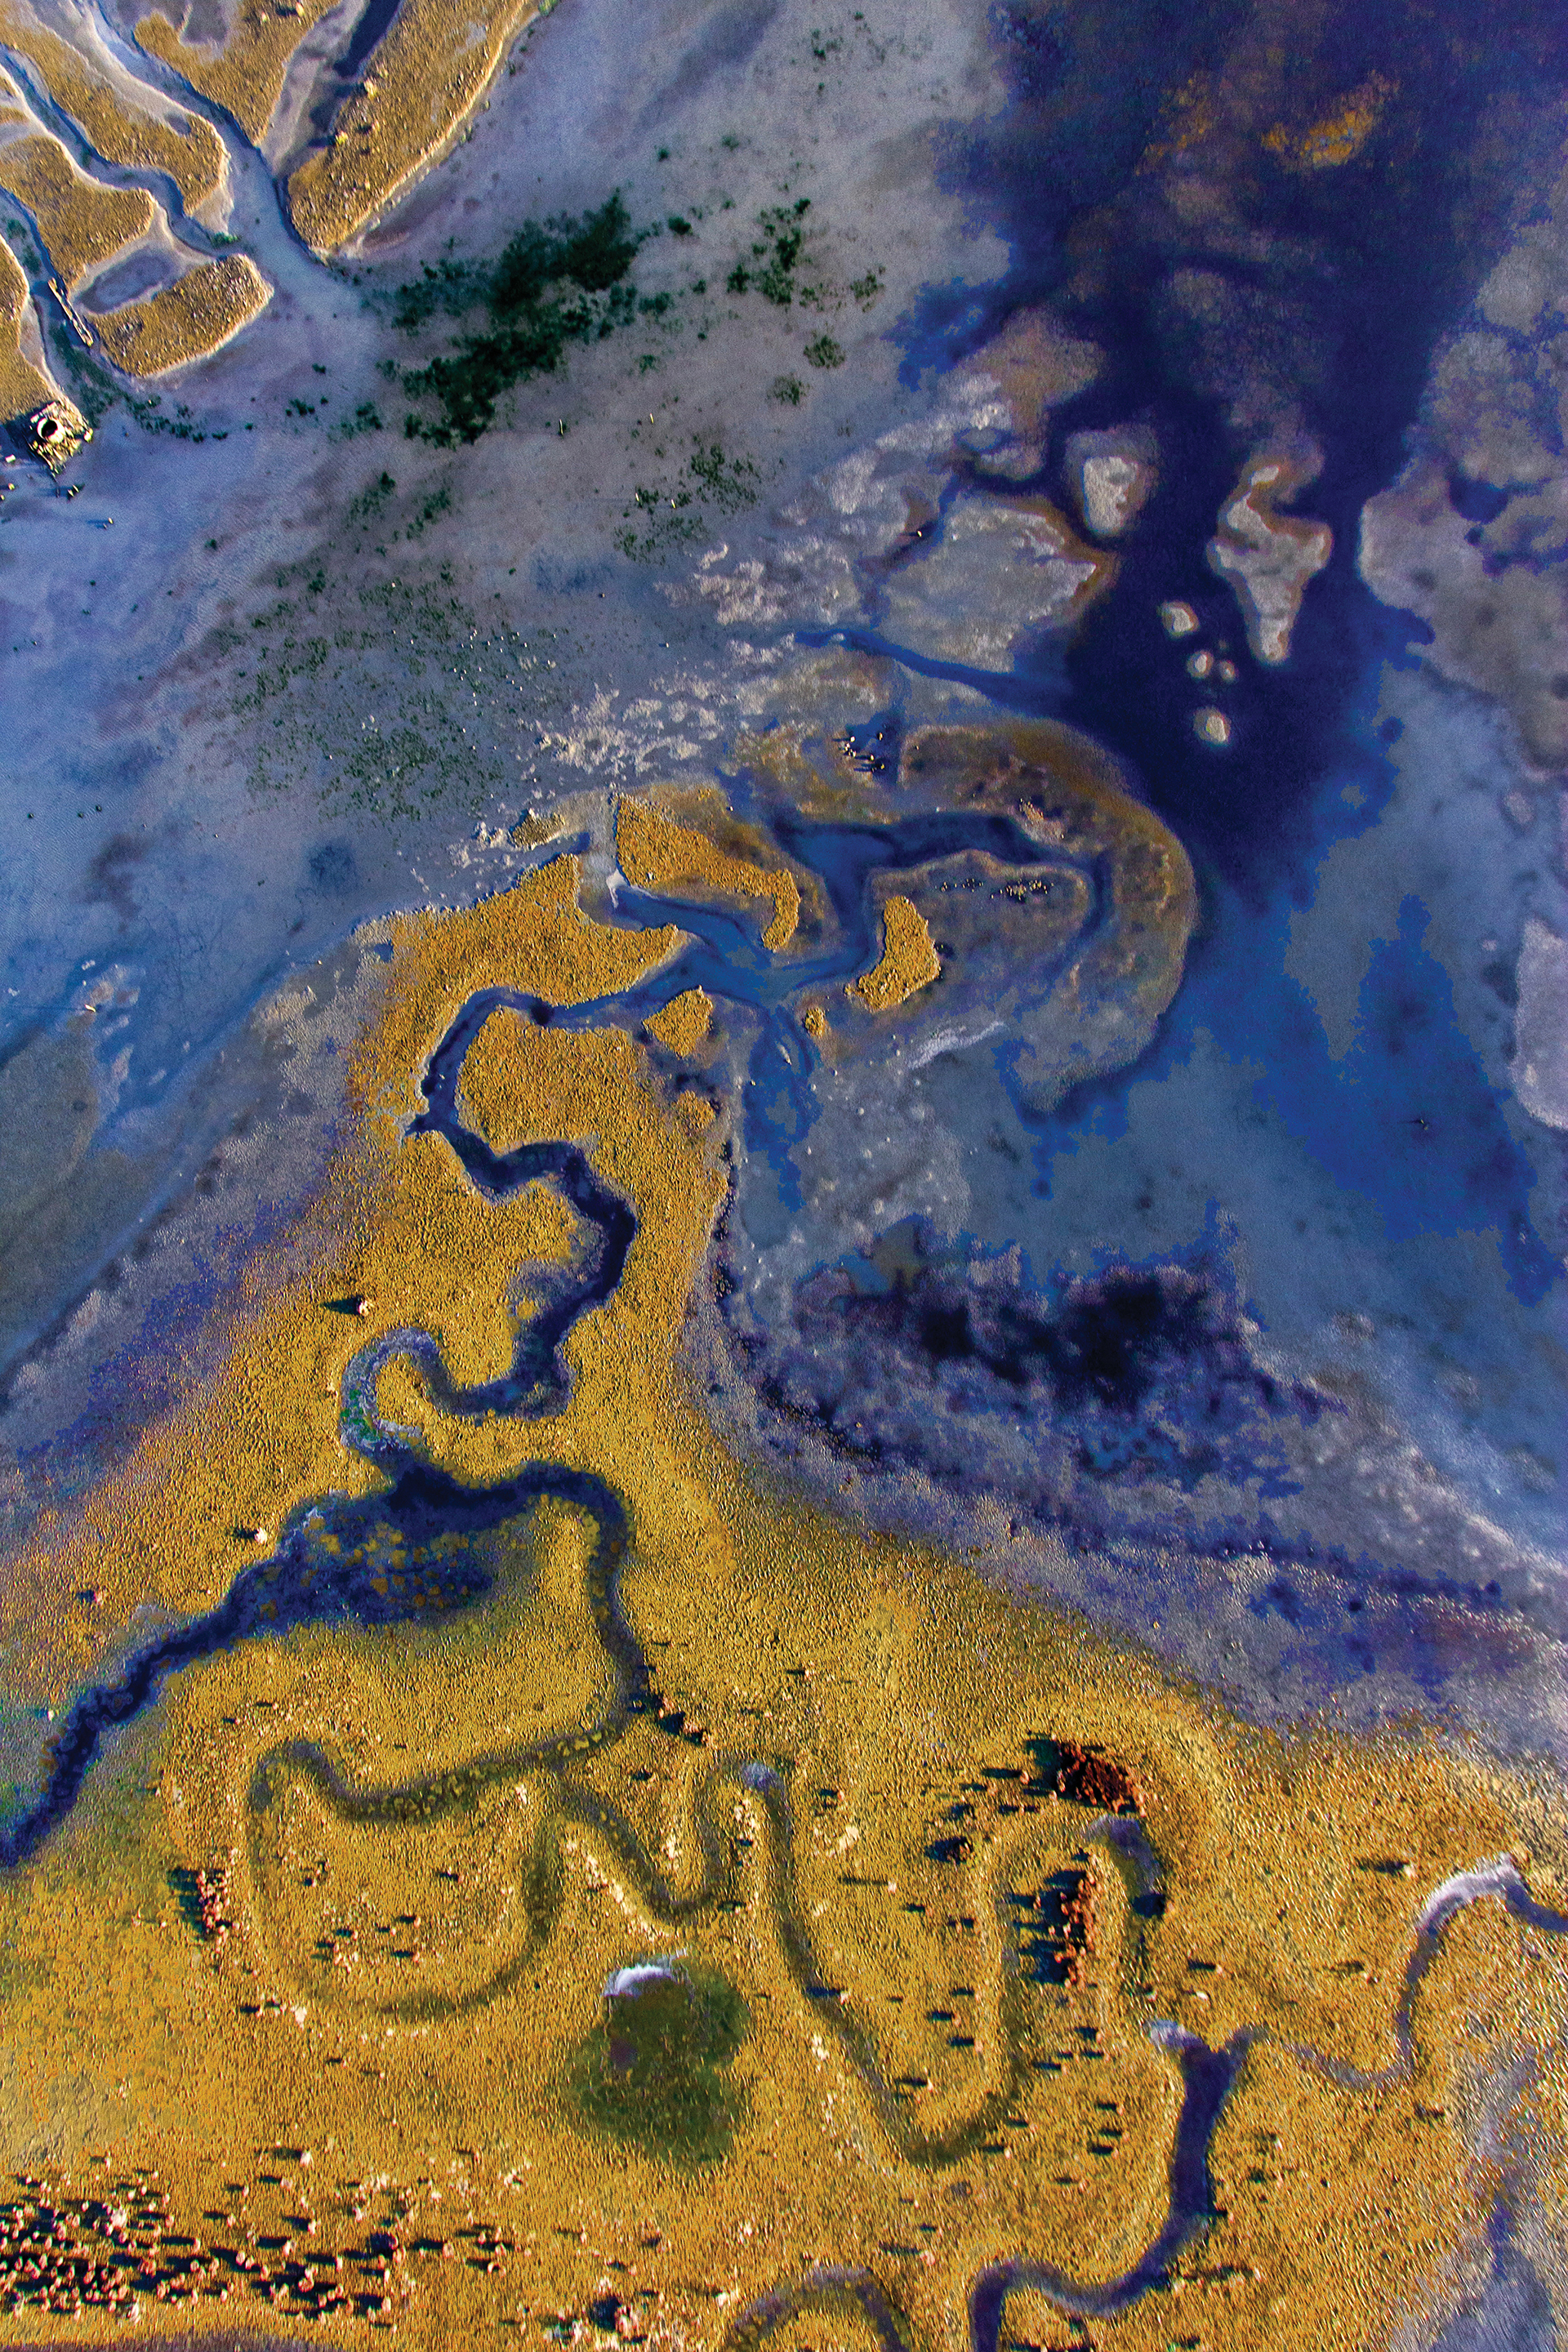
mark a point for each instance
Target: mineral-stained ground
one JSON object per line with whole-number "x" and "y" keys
{"x": 782, "y": 1207}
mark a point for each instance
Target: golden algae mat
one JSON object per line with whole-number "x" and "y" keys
{"x": 685, "y": 1915}
{"x": 783, "y": 1234}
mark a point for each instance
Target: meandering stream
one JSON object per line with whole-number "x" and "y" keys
{"x": 332, "y": 1565}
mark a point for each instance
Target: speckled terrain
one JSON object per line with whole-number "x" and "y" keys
{"x": 488, "y": 1799}
{"x": 782, "y": 1224}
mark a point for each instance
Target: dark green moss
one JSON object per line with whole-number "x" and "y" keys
{"x": 367, "y": 418}
{"x": 654, "y": 2071}
{"x": 729, "y": 483}
{"x": 153, "y": 418}
{"x": 372, "y": 498}
{"x": 661, "y": 519}
{"x": 775, "y": 255}
{"x": 557, "y": 283}
{"x": 386, "y": 698}
{"x": 437, "y": 503}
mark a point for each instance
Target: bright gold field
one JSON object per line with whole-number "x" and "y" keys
{"x": 425, "y": 2085}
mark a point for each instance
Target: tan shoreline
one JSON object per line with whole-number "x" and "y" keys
{"x": 418, "y": 92}
{"x": 195, "y": 316}
{"x": 192, "y": 156}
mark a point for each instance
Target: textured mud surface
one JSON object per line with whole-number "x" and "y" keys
{"x": 781, "y": 1303}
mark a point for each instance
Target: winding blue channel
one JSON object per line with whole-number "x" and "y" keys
{"x": 537, "y": 1382}
{"x": 329, "y": 1566}
{"x": 1208, "y": 2078}
{"x": 1500, "y": 1878}
{"x": 380, "y": 1559}
{"x": 725, "y": 957}
{"x": 303, "y": 1583}
{"x": 332, "y": 1563}
{"x": 1026, "y": 691}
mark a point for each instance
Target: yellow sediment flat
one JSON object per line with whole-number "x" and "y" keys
{"x": 432, "y": 68}
{"x": 909, "y": 958}
{"x": 1338, "y": 137}
{"x": 370, "y": 2024}
{"x": 185, "y": 320}
{"x": 684, "y": 1021}
{"x": 245, "y": 75}
{"x": 21, "y": 385}
{"x": 82, "y": 222}
{"x": 664, "y": 856}
{"x": 188, "y": 148}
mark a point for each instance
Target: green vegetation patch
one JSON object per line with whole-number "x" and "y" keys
{"x": 775, "y": 268}
{"x": 774, "y": 260}
{"x": 180, "y": 424}
{"x": 559, "y": 282}
{"x": 367, "y": 418}
{"x": 659, "y": 518}
{"x": 655, "y": 2069}
{"x": 394, "y": 700}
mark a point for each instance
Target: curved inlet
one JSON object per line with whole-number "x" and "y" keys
{"x": 1208, "y": 2077}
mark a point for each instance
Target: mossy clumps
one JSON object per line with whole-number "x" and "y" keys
{"x": 659, "y": 518}
{"x": 775, "y": 255}
{"x": 201, "y": 311}
{"x": 684, "y": 1024}
{"x": 663, "y": 856}
{"x": 429, "y": 72}
{"x": 245, "y": 75}
{"x": 558, "y": 282}
{"x": 22, "y": 386}
{"x": 82, "y": 222}
{"x": 654, "y": 2071}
